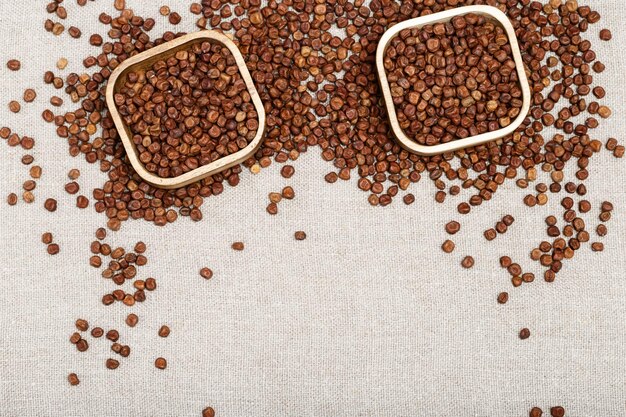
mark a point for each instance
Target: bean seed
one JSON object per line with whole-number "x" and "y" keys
{"x": 287, "y": 171}
{"x": 160, "y": 363}
{"x": 557, "y": 411}
{"x": 300, "y": 235}
{"x": 606, "y": 35}
{"x": 448, "y": 246}
{"x": 467, "y": 262}
{"x": 12, "y": 199}
{"x": 206, "y": 273}
{"x": 14, "y": 106}
{"x": 174, "y": 18}
{"x": 46, "y": 238}
{"x": 164, "y": 331}
{"x": 53, "y": 249}
{"x": 503, "y": 297}
{"x": 288, "y": 193}
{"x": 535, "y": 412}
{"x": 453, "y": 227}
{"x": 29, "y": 95}
{"x": 14, "y": 64}
{"x": 73, "y": 379}
{"x": 524, "y": 333}
{"x": 238, "y": 246}
{"x": 82, "y": 325}
{"x": 50, "y": 204}
{"x": 132, "y": 320}
{"x": 208, "y": 412}
{"x": 112, "y": 363}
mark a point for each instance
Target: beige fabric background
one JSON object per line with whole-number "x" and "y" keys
{"x": 367, "y": 317}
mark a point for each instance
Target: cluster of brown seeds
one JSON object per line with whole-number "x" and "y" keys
{"x": 321, "y": 89}
{"x": 188, "y": 110}
{"x": 453, "y": 80}
{"x": 501, "y": 227}
{"x": 557, "y": 411}
{"x": 121, "y": 268}
{"x": 47, "y": 239}
{"x": 287, "y": 193}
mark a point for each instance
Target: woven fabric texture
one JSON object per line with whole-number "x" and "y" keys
{"x": 366, "y": 317}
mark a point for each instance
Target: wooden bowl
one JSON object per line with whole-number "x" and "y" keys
{"x": 145, "y": 60}
{"x": 495, "y": 15}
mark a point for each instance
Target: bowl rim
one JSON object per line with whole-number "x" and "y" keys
{"x": 445, "y": 16}
{"x": 203, "y": 171}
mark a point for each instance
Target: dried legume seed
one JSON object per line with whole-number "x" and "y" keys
{"x": 164, "y": 331}
{"x": 206, "y": 273}
{"x": 160, "y": 363}
{"x": 535, "y": 412}
{"x": 14, "y": 106}
{"x": 452, "y": 227}
{"x": 208, "y": 412}
{"x": 300, "y": 235}
{"x": 467, "y": 262}
{"x": 448, "y": 246}
{"x": 29, "y": 95}
{"x": 50, "y": 204}
{"x": 503, "y": 297}
{"x": 112, "y": 363}
{"x": 53, "y": 249}
{"x": 524, "y": 333}
{"x": 82, "y": 325}
{"x": 14, "y": 64}
{"x": 73, "y": 379}
{"x": 557, "y": 411}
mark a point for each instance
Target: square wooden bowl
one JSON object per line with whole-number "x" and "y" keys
{"x": 144, "y": 61}
{"x": 492, "y": 13}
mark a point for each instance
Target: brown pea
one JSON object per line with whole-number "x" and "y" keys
{"x": 448, "y": 246}
{"x": 29, "y": 95}
{"x": 288, "y": 193}
{"x": 503, "y": 297}
{"x": 97, "y": 332}
{"x": 606, "y": 35}
{"x": 14, "y": 106}
{"x": 300, "y": 235}
{"x": 160, "y": 363}
{"x": 535, "y": 412}
{"x": 50, "y": 204}
{"x": 452, "y": 227}
{"x": 164, "y": 331}
{"x": 238, "y": 246}
{"x": 467, "y": 262}
{"x": 53, "y": 249}
{"x": 112, "y": 363}
{"x": 113, "y": 335}
{"x": 132, "y": 320}
{"x": 206, "y": 273}
{"x": 272, "y": 208}
{"x": 12, "y": 199}
{"x": 46, "y": 238}
{"x": 82, "y": 325}
{"x": 208, "y": 412}
{"x": 524, "y": 333}
{"x": 174, "y": 18}
{"x": 490, "y": 234}
{"x": 73, "y": 379}
{"x": 14, "y": 64}
{"x": 287, "y": 171}
{"x": 557, "y": 411}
